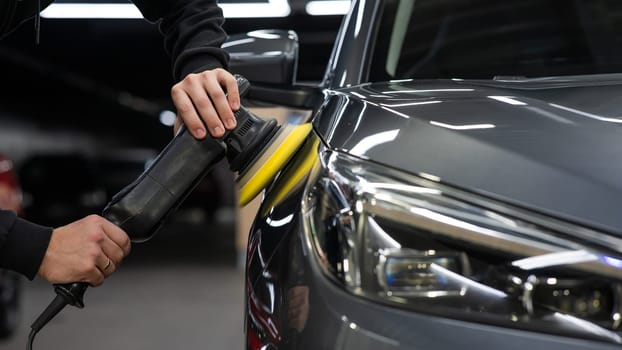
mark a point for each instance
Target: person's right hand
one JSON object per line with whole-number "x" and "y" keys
{"x": 87, "y": 250}
{"x": 201, "y": 101}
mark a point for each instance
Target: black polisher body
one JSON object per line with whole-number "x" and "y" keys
{"x": 142, "y": 207}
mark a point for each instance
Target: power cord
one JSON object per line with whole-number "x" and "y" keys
{"x": 66, "y": 294}
{"x": 31, "y": 339}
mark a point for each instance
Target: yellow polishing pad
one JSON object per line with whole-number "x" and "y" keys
{"x": 294, "y": 175}
{"x": 273, "y": 159}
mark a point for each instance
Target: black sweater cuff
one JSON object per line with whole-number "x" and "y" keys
{"x": 197, "y": 65}
{"x": 24, "y": 247}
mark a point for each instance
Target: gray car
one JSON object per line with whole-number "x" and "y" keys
{"x": 461, "y": 186}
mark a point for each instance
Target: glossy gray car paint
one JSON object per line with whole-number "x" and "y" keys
{"x": 355, "y": 38}
{"x": 281, "y": 258}
{"x": 553, "y": 147}
{"x": 530, "y": 158}
{"x": 275, "y": 54}
{"x": 558, "y": 153}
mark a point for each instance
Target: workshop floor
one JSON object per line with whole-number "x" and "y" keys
{"x": 182, "y": 293}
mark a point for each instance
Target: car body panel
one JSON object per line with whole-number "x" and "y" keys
{"x": 354, "y": 37}
{"x": 543, "y": 150}
{"x": 557, "y": 146}
{"x": 267, "y": 56}
{"x": 281, "y": 260}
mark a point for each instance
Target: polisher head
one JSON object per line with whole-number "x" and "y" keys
{"x": 274, "y": 156}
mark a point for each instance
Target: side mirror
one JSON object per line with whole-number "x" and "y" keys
{"x": 267, "y": 56}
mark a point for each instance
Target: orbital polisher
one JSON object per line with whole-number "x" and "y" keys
{"x": 257, "y": 149}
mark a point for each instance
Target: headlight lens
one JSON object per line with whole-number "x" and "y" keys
{"x": 416, "y": 244}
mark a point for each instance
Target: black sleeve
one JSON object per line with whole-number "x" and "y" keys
{"x": 192, "y": 29}
{"x": 22, "y": 244}
{"x": 192, "y": 32}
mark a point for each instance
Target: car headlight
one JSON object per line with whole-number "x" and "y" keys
{"x": 414, "y": 243}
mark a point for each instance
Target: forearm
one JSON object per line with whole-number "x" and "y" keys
{"x": 22, "y": 244}
{"x": 193, "y": 36}
{"x": 192, "y": 32}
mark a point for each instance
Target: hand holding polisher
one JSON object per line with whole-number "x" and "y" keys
{"x": 256, "y": 149}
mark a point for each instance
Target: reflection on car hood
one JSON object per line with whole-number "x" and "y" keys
{"x": 549, "y": 145}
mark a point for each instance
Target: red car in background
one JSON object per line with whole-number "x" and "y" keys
{"x": 10, "y": 283}
{"x": 10, "y": 192}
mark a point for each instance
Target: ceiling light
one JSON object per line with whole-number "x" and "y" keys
{"x": 271, "y": 8}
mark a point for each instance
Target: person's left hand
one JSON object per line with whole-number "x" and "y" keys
{"x": 201, "y": 101}
{"x": 87, "y": 250}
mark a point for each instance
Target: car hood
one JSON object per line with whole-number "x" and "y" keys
{"x": 550, "y": 145}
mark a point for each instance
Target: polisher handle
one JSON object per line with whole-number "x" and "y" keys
{"x": 141, "y": 208}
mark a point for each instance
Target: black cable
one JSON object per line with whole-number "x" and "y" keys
{"x": 61, "y": 300}
{"x": 31, "y": 339}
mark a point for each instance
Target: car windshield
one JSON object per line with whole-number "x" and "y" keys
{"x": 486, "y": 39}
